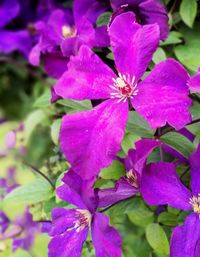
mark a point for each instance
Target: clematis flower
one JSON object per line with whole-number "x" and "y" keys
{"x": 23, "y": 14}
{"x": 70, "y": 227}
{"x": 160, "y": 185}
{"x": 62, "y": 35}
{"x": 129, "y": 185}
{"x": 146, "y": 12}
{"x": 89, "y": 140}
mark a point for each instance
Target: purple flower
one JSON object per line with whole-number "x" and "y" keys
{"x": 65, "y": 32}
{"x": 4, "y": 223}
{"x": 91, "y": 139}
{"x": 9, "y": 9}
{"x": 146, "y": 12}
{"x": 129, "y": 185}
{"x": 27, "y": 230}
{"x": 160, "y": 185}
{"x": 70, "y": 227}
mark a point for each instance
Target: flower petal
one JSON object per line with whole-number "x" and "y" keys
{"x": 185, "y": 241}
{"x": 90, "y": 139}
{"x": 152, "y": 11}
{"x": 87, "y": 77}
{"x": 9, "y": 9}
{"x": 68, "y": 244}
{"x": 106, "y": 239}
{"x": 62, "y": 219}
{"x": 195, "y": 171}
{"x": 132, "y": 53}
{"x": 160, "y": 185}
{"x": 163, "y": 96}
{"x": 194, "y": 83}
{"x": 121, "y": 191}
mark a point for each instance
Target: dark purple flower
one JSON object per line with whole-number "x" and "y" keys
{"x": 160, "y": 185}
{"x": 146, "y": 12}
{"x": 9, "y": 9}
{"x": 27, "y": 231}
{"x": 70, "y": 227}
{"x": 91, "y": 139}
{"x": 4, "y": 223}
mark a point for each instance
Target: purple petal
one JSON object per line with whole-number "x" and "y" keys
{"x": 121, "y": 191}
{"x": 15, "y": 41}
{"x": 152, "y": 11}
{"x": 136, "y": 159}
{"x": 88, "y": 8}
{"x": 132, "y": 53}
{"x": 106, "y": 239}
{"x": 70, "y": 195}
{"x": 62, "y": 219}
{"x": 194, "y": 83}
{"x": 81, "y": 189}
{"x": 163, "y": 96}
{"x": 185, "y": 241}
{"x": 87, "y": 77}
{"x": 68, "y": 244}
{"x": 9, "y": 9}
{"x": 55, "y": 64}
{"x": 195, "y": 171}
{"x": 117, "y": 3}
{"x": 160, "y": 185}
{"x": 91, "y": 139}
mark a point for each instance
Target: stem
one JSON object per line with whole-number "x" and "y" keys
{"x": 107, "y": 208}
{"x": 170, "y": 129}
{"x": 40, "y": 173}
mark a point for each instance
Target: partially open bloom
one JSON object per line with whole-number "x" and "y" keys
{"x": 70, "y": 227}
{"x": 161, "y": 185}
{"x": 90, "y": 139}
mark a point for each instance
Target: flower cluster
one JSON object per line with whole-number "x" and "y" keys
{"x": 73, "y": 45}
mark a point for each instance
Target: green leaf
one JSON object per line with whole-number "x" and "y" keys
{"x": 139, "y": 214}
{"x": 189, "y": 53}
{"x": 138, "y": 126}
{"x": 159, "y": 55}
{"x": 128, "y": 141}
{"x": 34, "y": 192}
{"x": 32, "y": 121}
{"x": 157, "y": 238}
{"x": 103, "y": 19}
{"x": 188, "y": 11}
{"x": 168, "y": 219}
{"x": 179, "y": 143}
{"x": 43, "y": 100}
{"x": 76, "y": 106}
{"x": 55, "y": 129}
{"x": 174, "y": 37}
{"x": 115, "y": 171}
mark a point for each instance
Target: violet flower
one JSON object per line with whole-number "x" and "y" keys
{"x": 160, "y": 185}
{"x": 129, "y": 185}
{"x": 70, "y": 227}
{"x": 89, "y": 140}
{"x": 146, "y": 12}
{"x": 62, "y": 35}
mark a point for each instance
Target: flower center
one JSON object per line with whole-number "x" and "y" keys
{"x": 68, "y": 31}
{"x": 132, "y": 178}
{"x": 83, "y": 219}
{"x": 124, "y": 87}
{"x": 195, "y": 202}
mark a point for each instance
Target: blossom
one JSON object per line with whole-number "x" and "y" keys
{"x": 89, "y": 140}
{"x": 194, "y": 83}
{"x": 70, "y": 227}
{"x": 161, "y": 185}
{"x": 129, "y": 185}
{"x": 146, "y": 12}
{"x": 62, "y": 35}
